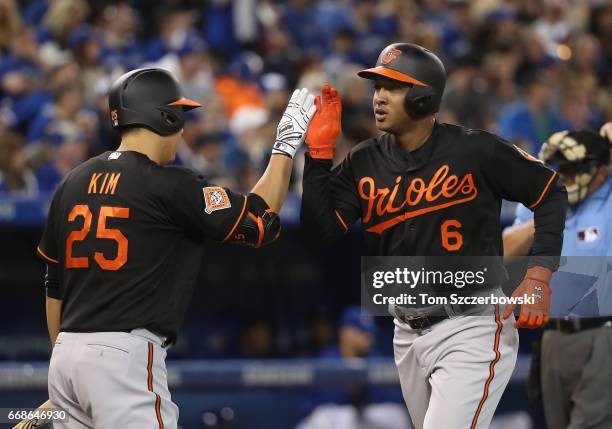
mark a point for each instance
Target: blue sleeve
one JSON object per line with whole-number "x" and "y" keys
{"x": 523, "y": 215}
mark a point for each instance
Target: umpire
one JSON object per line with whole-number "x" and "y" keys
{"x": 575, "y": 370}
{"x": 123, "y": 246}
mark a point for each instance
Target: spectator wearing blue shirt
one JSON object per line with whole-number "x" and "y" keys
{"x": 88, "y": 49}
{"x": 16, "y": 178}
{"x": 68, "y": 106}
{"x": 21, "y": 80}
{"x": 455, "y": 29}
{"x": 218, "y": 29}
{"x": 70, "y": 148}
{"x": 576, "y": 374}
{"x": 530, "y": 120}
{"x": 61, "y": 19}
{"x": 311, "y": 27}
{"x": 119, "y": 28}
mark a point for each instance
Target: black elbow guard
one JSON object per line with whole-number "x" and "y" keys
{"x": 258, "y": 226}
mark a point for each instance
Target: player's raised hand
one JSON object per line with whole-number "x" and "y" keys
{"x": 534, "y": 287}
{"x": 291, "y": 130}
{"x": 325, "y": 127}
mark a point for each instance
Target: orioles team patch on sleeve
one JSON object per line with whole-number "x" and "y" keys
{"x": 215, "y": 198}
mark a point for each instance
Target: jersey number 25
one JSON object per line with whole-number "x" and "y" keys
{"x": 102, "y": 231}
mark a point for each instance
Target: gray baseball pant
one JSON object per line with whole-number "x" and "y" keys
{"x": 111, "y": 380}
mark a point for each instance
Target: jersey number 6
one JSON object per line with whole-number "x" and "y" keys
{"x": 452, "y": 240}
{"x": 102, "y": 231}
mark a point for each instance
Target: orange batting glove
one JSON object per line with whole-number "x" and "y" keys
{"x": 534, "y": 286}
{"x": 324, "y": 128}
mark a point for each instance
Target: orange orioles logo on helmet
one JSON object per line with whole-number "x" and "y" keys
{"x": 115, "y": 117}
{"x": 390, "y": 56}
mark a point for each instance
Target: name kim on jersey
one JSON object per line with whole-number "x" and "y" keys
{"x": 103, "y": 183}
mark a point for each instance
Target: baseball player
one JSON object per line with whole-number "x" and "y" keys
{"x": 426, "y": 188}
{"x": 123, "y": 246}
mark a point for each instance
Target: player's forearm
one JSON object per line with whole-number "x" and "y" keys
{"x": 317, "y": 211}
{"x": 290, "y": 134}
{"x": 54, "y": 311}
{"x": 274, "y": 183}
{"x": 518, "y": 240}
{"x": 549, "y": 223}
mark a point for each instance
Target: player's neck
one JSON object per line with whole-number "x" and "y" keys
{"x": 417, "y": 135}
{"x": 135, "y": 142}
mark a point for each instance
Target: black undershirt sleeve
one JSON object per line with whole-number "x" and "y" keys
{"x": 549, "y": 221}
{"x": 518, "y": 176}
{"x": 52, "y": 282}
{"x": 318, "y": 217}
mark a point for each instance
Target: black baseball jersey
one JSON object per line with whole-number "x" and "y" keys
{"x": 442, "y": 199}
{"x": 127, "y": 236}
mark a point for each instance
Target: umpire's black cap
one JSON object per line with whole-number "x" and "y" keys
{"x": 149, "y": 98}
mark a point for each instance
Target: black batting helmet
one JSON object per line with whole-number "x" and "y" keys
{"x": 413, "y": 64}
{"x": 149, "y": 98}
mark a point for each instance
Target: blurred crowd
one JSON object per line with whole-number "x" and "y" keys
{"x": 522, "y": 68}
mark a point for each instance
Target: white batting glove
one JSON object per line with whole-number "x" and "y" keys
{"x": 291, "y": 130}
